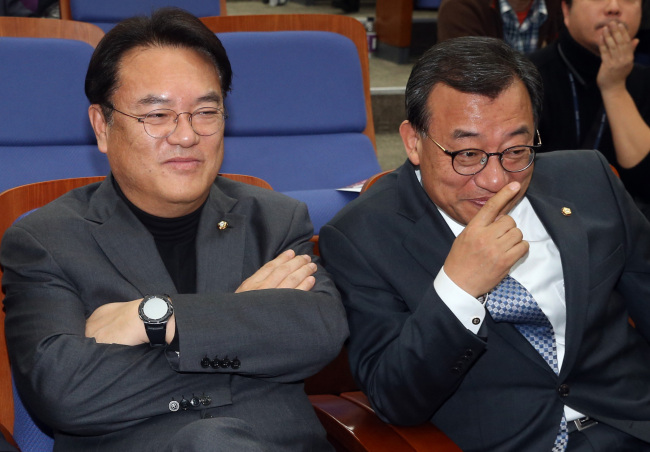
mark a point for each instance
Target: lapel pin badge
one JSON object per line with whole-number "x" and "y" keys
{"x": 222, "y": 225}
{"x": 566, "y": 211}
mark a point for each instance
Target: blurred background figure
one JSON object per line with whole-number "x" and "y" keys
{"x": 30, "y": 8}
{"x": 595, "y": 97}
{"x": 348, "y": 6}
{"x": 526, "y": 25}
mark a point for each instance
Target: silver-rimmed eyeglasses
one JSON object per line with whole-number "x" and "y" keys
{"x": 162, "y": 123}
{"x": 514, "y": 159}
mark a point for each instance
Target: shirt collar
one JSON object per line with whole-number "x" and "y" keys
{"x": 536, "y": 15}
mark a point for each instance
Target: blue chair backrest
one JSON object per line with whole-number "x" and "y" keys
{"x": 297, "y": 116}
{"x": 30, "y": 435}
{"x": 45, "y": 132}
{"x": 427, "y": 4}
{"x": 105, "y": 14}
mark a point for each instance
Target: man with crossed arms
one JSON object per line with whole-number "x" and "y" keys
{"x": 487, "y": 291}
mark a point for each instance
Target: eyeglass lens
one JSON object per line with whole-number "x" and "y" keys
{"x": 513, "y": 159}
{"x": 162, "y": 123}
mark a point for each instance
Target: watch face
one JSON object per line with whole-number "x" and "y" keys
{"x": 155, "y": 308}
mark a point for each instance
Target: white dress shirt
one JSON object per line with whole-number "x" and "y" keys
{"x": 539, "y": 271}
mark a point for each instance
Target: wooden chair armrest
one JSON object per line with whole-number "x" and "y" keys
{"x": 8, "y": 438}
{"x": 351, "y": 428}
{"x": 425, "y": 437}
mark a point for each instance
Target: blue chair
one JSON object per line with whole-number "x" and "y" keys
{"x": 105, "y": 14}
{"x": 298, "y": 112}
{"x": 427, "y": 4}
{"x": 45, "y": 131}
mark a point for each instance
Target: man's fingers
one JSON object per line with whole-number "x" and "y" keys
{"x": 286, "y": 271}
{"x": 496, "y": 204}
{"x": 282, "y": 272}
{"x": 271, "y": 265}
{"x": 307, "y": 284}
{"x": 297, "y": 278}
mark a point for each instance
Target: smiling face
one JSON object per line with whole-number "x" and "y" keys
{"x": 585, "y": 19}
{"x": 167, "y": 177}
{"x": 461, "y": 121}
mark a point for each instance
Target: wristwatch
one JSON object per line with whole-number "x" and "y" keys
{"x": 155, "y": 311}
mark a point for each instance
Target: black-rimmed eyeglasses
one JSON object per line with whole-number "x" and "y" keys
{"x": 514, "y": 159}
{"x": 162, "y": 123}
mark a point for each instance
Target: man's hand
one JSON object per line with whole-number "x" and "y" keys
{"x": 617, "y": 55}
{"x": 119, "y": 323}
{"x": 491, "y": 243}
{"x": 287, "y": 271}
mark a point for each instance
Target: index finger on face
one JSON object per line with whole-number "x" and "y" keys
{"x": 496, "y": 204}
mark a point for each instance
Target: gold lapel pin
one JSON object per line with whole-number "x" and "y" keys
{"x": 222, "y": 225}
{"x": 566, "y": 211}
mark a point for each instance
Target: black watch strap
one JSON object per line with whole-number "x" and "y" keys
{"x": 156, "y": 333}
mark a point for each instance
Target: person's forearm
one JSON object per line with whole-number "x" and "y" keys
{"x": 630, "y": 133}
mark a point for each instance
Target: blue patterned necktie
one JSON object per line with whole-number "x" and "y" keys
{"x": 511, "y": 302}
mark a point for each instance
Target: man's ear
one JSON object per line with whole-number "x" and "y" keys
{"x": 411, "y": 139}
{"x": 565, "y": 12}
{"x": 98, "y": 122}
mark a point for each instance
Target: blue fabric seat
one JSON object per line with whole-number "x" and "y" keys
{"x": 106, "y": 14}
{"x": 297, "y": 116}
{"x": 45, "y": 131}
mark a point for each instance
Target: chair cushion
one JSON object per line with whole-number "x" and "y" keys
{"x": 116, "y": 10}
{"x": 302, "y": 162}
{"x": 293, "y": 83}
{"x": 322, "y": 204}
{"x": 30, "y": 435}
{"x": 42, "y": 92}
{"x": 24, "y": 165}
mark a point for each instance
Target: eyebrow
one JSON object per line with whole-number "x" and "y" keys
{"x": 460, "y": 133}
{"x": 153, "y": 99}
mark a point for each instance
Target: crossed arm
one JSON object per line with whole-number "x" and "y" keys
{"x": 119, "y": 323}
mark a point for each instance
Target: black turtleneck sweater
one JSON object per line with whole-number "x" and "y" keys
{"x": 558, "y": 123}
{"x": 176, "y": 242}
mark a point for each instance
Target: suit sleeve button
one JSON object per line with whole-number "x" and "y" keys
{"x": 185, "y": 404}
{"x": 225, "y": 363}
{"x": 194, "y": 401}
{"x": 206, "y": 400}
{"x": 205, "y": 362}
{"x": 236, "y": 364}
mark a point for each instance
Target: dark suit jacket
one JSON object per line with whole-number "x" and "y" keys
{"x": 493, "y": 391}
{"x": 87, "y": 248}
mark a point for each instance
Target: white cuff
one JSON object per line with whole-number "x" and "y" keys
{"x": 465, "y": 307}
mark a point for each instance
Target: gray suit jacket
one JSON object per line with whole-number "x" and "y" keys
{"x": 87, "y": 248}
{"x": 493, "y": 391}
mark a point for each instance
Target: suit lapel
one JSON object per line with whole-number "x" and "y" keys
{"x": 221, "y": 237}
{"x": 417, "y": 207}
{"x": 132, "y": 250}
{"x": 568, "y": 233}
{"x": 127, "y": 243}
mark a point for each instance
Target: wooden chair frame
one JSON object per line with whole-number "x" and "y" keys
{"x": 344, "y": 25}
{"x": 29, "y": 27}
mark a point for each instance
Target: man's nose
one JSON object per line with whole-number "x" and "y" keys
{"x": 613, "y": 7}
{"x": 184, "y": 134}
{"x": 492, "y": 177}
